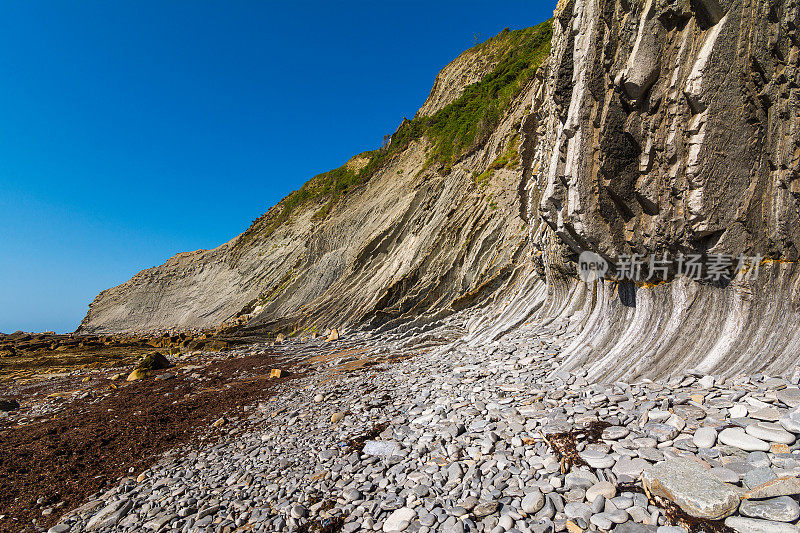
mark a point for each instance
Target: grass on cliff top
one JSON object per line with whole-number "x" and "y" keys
{"x": 453, "y": 131}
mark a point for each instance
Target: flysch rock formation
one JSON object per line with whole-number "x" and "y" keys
{"x": 415, "y": 239}
{"x": 658, "y": 126}
{"x": 672, "y": 130}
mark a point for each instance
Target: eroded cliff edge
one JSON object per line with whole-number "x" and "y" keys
{"x": 665, "y": 126}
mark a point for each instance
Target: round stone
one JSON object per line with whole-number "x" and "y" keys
{"x": 298, "y": 511}
{"x": 705, "y": 437}
{"x": 603, "y": 488}
{"x": 532, "y": 502}
{"x": 506, "y": 522}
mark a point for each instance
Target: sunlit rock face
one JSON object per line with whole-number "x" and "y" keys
{"x": 414, "y": 243}
{"x": 675, "y": 127}
{"x": 659, "y": 126}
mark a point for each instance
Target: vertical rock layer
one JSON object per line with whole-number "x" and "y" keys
{"x": 677, "y": 127}
{"x": 672, "y": 127}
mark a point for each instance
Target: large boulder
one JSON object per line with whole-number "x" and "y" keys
{"x": 691, "y": 486}
{"x": 154, "y": 361}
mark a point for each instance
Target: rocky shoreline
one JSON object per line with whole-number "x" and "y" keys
{"x": 493, "y": 439}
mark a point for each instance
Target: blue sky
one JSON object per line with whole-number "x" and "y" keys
{"x": 135, "y": 130}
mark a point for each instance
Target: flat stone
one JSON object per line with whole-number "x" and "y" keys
{"x": 758, "y": 476}
{"x": 427, "y": 519}
{"x": 351, "y": 495}
{"x": 758, "y": 459}
{"x": 658, "y": 415}
{"x": 737, "y": 438}
{"x": 615, "y": 432}
{"x": 381, "y": 448}
{"x": 160, "y": 521}
{"x": 601, "y": 521}
{"x": 399, "y": 519}
{"x": 676, "y": 422}
{"x": 578, "y": 510}
{"x": 768, "y": 414}
{"x": 596, "y": 459}
{"x": 706, "y": 382}
{"x": 109, "y": 515}
{"x": 638, "y": 513}
{"x": 771, "y": 432}
{"x": 580, "y": 479}
{"x": 738, "y": 411}
{"x": 790, "y": 396}
{"x": 660, "y": 432}
{"x": 791, "y": 421}
{"x": 725, "y": 474}
{"x": 692, "y": 488}
{"x": 650, "y": 454}
{"x": 633, "y": 527}
{"x": 778, "y": 448}
{"x": 630, "y": 467}
{"x": 780, "y": 509}
{"x": 485, "y": 509}
{"x": 469, "y": 503}
{"x": 782, "y": 486}
{"x": 705, "y": 437}
{"x": 752, "y": 525}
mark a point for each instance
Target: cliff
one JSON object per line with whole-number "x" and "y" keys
{"x": 431, "y": 223}
{"x": 671, "y": 128}
{"x": 664, "y": 127}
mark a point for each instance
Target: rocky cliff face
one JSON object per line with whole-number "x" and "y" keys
{"x": 671, "y": 128}
{"x": 676, "y": 127}
{"x": 430, "y": 229}
{"x": 658, "y": 126}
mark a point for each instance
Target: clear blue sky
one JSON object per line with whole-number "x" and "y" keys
{"x": 130, "y": 131}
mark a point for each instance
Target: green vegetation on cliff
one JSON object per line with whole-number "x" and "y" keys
{"x": 453, "y": 131}
{"x": 468, "y": 121}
